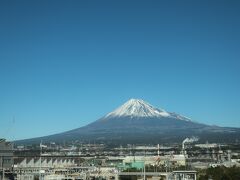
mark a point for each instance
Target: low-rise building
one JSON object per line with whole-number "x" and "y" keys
{"x": 174, "y": 160}
{"x": 6, "y": 157}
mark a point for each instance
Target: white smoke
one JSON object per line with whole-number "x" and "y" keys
{"x": 190, "y": 140}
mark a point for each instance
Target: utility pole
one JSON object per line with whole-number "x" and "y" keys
{"x": 144, "y": 171}
{"x": 40, "y": 159}
{"x": 3, "y": 175}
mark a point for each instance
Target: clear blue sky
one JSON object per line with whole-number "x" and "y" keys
{"x": 64, "y": 64}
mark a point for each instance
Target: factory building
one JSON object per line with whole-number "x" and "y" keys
{"x": 138, "y": 161}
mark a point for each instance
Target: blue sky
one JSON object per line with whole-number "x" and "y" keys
{"x": 64, "y": 64}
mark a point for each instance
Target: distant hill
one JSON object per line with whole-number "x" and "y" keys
{"x": 137, "y": 121}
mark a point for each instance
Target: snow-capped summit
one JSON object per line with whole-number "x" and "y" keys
{"x": 137, "y": 108}
{"x": 140, "y": 108}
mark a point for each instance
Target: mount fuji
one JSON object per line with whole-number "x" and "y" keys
{"x": 137, "y": 121}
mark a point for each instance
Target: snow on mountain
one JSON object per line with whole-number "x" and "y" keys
{"x": 140, "y": 108}
{"x": 180, "y": 117}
